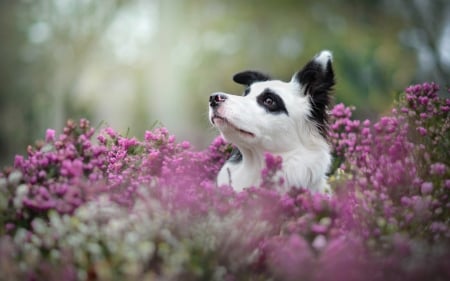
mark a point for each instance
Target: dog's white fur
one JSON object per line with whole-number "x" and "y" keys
{"x": 293, "y": 135}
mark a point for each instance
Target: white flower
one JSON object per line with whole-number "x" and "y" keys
{"x": 15, "y": 177}
{"x": 319, "y": 242}
{"x": 21, "y": 193}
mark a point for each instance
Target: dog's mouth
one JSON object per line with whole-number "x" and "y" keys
{"x": 221, "y": 121}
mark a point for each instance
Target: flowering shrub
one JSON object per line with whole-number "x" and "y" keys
{"x": 89, "y": 205}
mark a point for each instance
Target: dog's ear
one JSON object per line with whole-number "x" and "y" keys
{"x": 249, "y": 77}
{"x": 316, "y": 79}
{"x": 317, "y": 76}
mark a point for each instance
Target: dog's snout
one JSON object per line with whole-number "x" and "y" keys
{"x": 216, "y": 99}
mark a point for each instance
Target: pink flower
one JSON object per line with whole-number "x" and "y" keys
{"x": 426, "y": 187}
{"x": 391, "y": 198}
{"x": 110, "y": 131}
{"x": 18, "y": 161}
{"x": 290, "y": 258}
{"x": 50, "y": 135}
{"x": 422, "y": 131}
{"x": 438, "y": 169}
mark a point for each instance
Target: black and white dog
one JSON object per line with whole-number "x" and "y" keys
{"x": 288, "y": 119}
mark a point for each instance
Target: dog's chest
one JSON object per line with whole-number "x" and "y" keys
{"x": 300, "y": 169}
{"x": 239, "y": 176}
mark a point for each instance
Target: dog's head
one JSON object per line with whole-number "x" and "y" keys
{"x": 273, "y": 115}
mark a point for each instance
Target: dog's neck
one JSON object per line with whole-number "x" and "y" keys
{"x": 243, "y": 169}
{"x": 253, "y": 158}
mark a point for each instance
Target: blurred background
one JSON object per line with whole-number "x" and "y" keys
{"x": 132, "y": 63}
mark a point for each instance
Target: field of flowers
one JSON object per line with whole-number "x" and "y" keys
{"x": 95, "y": 205}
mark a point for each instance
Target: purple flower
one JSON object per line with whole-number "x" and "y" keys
{"x": 111, "y": 133}
{"x": 426, "y": 187}
{"x": 447, "y": 183}
{"x": 438, "y": 169}
{"x": 18, "y": 161}
{"x": 389, "y": 208}
{"x": 422, "y": 131}
{"x": 50, "y": 135}
{"x": 290, "y": 258}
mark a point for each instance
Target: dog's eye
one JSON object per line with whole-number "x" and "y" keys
{"x": 272, "y": 102}
{"x": 269, "y": 102}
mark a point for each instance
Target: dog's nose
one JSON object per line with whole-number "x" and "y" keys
{"x": 216, "y": 99}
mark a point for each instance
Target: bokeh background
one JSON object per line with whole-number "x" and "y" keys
{"x": 131, "y": 64}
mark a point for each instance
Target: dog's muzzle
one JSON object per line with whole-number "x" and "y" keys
{"x": 216, "y": 99}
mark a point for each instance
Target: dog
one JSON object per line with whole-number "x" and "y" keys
{"x": 286, "y": 119}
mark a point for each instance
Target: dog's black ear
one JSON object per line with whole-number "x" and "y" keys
{"x": 249, "y": 77}
{"x": 316, "y": 79}
{"x": 317, "y": 76}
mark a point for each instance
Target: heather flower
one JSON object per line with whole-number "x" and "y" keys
{"x": 426, "y": 187}
{"x": 336, "y": 262}
{"x": 270, "y": 173}
{"x": 113, "y": 207}
{"x": 50, "y": 135}
{"x": 438, "y": 169}
{"x": 422, "y": 131}
{"x": 290, "y": 258}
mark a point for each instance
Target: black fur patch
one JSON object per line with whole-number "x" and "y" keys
{"x": 318, "y": 84}
{"x": 272, "y": 102}
{"x": 249, "y": 77}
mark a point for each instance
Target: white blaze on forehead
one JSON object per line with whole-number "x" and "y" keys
{"x": 277, "y": 86}
{"x": 323, "y": 58}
